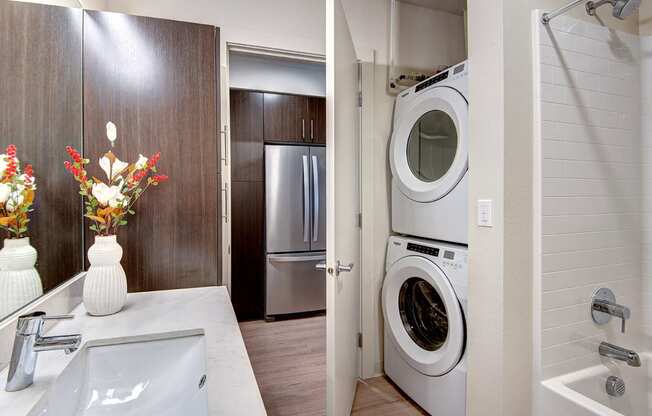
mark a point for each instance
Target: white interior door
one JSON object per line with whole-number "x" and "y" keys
{"x": 343, "y": 202}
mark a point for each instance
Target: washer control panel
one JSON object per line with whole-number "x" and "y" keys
{"x": 430, "y": 251}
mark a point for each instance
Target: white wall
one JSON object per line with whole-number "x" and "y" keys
{"x": 64, "y": 3}
{"x": 278, "y": 75}
{"x": 297, "y": 25}
{"x": 590, "y": 188}
{"x": 427, "y": 39}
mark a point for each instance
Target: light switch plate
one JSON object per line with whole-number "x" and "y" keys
{"x": 485, "y": 214}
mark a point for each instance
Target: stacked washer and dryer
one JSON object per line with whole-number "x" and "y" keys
{"x": 424, "y": 295}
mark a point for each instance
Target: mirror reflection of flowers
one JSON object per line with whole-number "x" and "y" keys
{"x": 17, "y": 191}
{"x": 108, "y": 202}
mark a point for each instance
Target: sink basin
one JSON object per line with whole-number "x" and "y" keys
{"x": 161, "y": 374}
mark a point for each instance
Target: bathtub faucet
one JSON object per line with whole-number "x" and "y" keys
{"x": 619, "y": 353}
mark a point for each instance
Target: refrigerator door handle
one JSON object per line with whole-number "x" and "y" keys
{"x": 315, "y": 201}
{"x": 306, "y": 200}
{"x": 293, "y": 259}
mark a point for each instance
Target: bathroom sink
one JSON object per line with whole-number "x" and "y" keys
{"x": 161, "y": 374}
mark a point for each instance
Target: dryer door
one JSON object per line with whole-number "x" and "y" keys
{"x": 424, "y": 316}
{"x": 429, "y": 148}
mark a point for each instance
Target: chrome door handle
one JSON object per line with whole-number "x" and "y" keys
{"x": 312, "y": 130}
{"x": 225, "y": 153}
{"x": 225, "y": 202}
{"x": 303, "y": 128}
{"x": 339, "y": 268}
{"x": 320, "y": 266}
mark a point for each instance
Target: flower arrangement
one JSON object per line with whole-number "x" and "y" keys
{"x": 17, "y": 191}
{"x": 108, "y": 203}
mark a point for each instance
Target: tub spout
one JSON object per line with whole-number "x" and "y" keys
{"x": 619, "y": 353}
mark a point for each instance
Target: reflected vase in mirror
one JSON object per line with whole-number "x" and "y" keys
{"x": 20, "y": 283}
{"x": 108, "y": 202}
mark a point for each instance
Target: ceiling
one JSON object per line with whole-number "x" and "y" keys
{"x": 450, "y": 6}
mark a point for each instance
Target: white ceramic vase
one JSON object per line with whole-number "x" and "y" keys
{"x": 19, "y": 280}
{"x": 105, "y": 286}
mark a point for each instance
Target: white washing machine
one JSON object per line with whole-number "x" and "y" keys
{"x": 429, "y": 158}
{"x": 424, "y": 304}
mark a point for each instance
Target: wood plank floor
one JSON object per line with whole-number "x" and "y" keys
{"x": 289, "y": 361}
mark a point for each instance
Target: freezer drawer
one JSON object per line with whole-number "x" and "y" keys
{"x": 293, "y": 284}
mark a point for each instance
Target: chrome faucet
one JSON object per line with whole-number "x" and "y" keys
{"x": 29, "y": 342}
{"x": 619, "y": 353}
{"x": 604, "y": 306}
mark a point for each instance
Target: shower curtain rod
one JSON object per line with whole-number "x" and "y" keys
{"x": 547, "y": 17}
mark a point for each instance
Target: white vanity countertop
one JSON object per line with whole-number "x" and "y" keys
{"x": 232, "y": 386}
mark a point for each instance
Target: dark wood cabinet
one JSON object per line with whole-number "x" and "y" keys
{"x": 317, "y": 114}
{"x": 157, "y": 80}
{"x": 294, "y": 118}
{"x": 285, "y": 117}
{"x": 246, "y": 135}
{"x": 248, "y": 249}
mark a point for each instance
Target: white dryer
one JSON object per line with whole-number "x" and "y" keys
{"x": 429, "y": 158}
{"x": 424, "y": 301}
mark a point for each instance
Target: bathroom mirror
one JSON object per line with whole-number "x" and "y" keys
{"x": 40, "y": 114}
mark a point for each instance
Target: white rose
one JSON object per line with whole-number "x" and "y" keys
{"x": 118, "y": 201}
{"x": 142, "y": 162}
{"x": 15, "y": 200}
{"x": 105, "y": 193}
{"x": 5, "y": 190}
{"x": 112, "y": 169}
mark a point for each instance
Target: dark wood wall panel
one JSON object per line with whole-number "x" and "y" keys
{"x": 247, "y": 145}
{"x": 41, "y": 113}
{"x": 248, "y": 249}
{"x": 157, "y": 80}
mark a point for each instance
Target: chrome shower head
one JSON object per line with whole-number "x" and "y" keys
{"x": 622, "y": 9}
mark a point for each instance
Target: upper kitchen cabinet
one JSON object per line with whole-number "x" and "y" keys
{"x": 286, "y": 118}
{"x": 317, "y": 114}
{"x": 157, "y": 80}
{"x": 294, "y": 118}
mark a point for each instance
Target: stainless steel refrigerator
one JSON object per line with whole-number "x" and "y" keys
{"x": 295, "y": 194}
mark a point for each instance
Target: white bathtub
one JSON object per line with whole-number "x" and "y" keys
{"x": 583, "y": 393}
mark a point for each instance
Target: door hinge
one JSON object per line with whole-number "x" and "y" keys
{"x": 360, "y": 99}
{"x": 359, "y": 340}
{"x": 360, "y": 220}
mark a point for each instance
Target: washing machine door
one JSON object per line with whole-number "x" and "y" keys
{"x": 423, "y": 316}
{"x": 429, "y": 147}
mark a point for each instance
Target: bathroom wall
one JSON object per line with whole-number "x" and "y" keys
{"x": 646, "y": 175}
{"x": 587, "y": 89}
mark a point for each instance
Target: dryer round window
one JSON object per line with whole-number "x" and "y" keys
{"x": 432, "y": 146}
{"x": 429, "y": 149}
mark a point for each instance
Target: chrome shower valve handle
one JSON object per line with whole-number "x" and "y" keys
{"x": 604, "y": 306}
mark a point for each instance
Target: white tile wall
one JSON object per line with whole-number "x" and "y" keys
{"x": 591, "y": 187}
{"x": 646, "y": 173}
